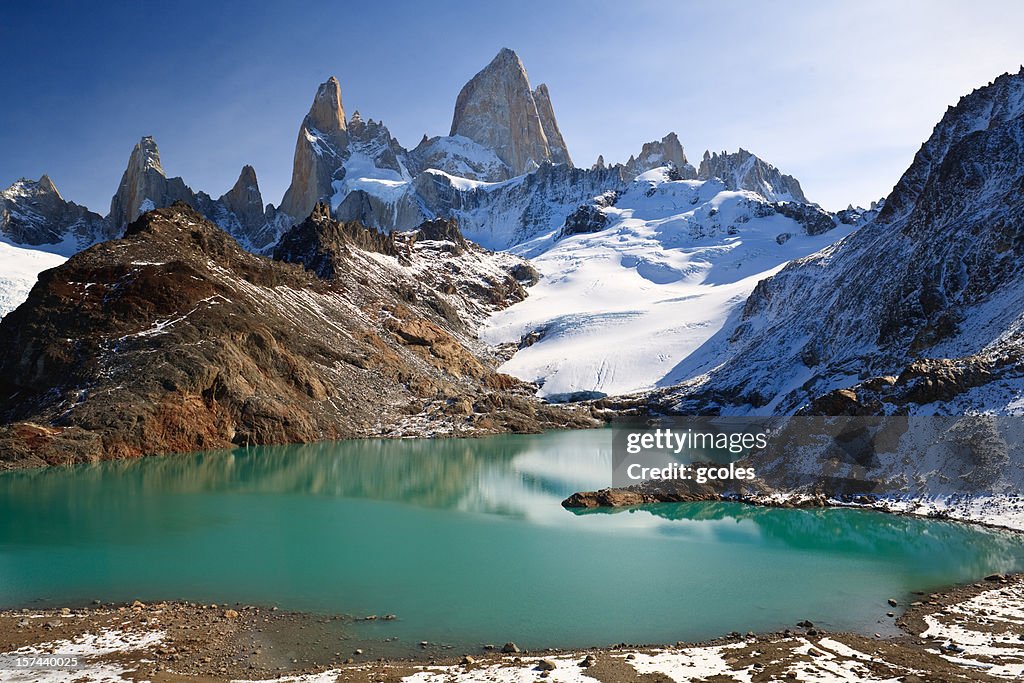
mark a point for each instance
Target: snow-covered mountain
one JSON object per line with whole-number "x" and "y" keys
{"x": 671, "y": 249}
{"x": 33, "y": 214}
{"x": 919, "y": 311}
{"x": 743, "y": 170}
{"x": 635, "y": 283}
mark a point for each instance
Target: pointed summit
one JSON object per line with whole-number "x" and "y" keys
{"x": 497, "y": 109}
{"x": 559, "y": 152}
{"x": 145, "y": 187}
{"x": 33, "y": 213}
{"x": 319, "y": 151}
{"x": 327, "y": 114}
{"x": 244, "y": 199}
{"x": 46, "y": 186}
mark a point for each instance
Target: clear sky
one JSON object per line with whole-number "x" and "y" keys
{"x": 840, "y": 95}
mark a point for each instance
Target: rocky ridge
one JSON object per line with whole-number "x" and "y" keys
{"x": 743, "y": 171}
{"x": 135, "y": 346}
{"x": 939, "y": 327}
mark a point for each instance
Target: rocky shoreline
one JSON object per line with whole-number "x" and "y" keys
{"x": 973, "y": 632}
{"x": 995, "y": 512}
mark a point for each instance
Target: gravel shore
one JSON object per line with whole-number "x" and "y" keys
{"x": 968, "y": 633}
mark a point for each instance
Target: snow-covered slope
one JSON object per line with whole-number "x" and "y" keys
{"x": 19, "y": 269}
{"x": 920, "y": 311}
{"x": 632, "y": 304}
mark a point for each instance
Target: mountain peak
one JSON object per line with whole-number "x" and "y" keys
{"x": 146, "y": 155}
{"x": 745, "y": 171}
{"x": 499, "y": 110}
{"x": 46, "y": 185}
{"x": 559, "y": 151}
{"x": 667, "y": 152}
{"x": 247, "y": 176}
{"x": 508, "y": 56}
{"x": 984, "y": 108}
{"x": 327, "y": 114}
{"x": 245, "y": 201}
{"x": 320, "y": 150}
{"x": 144, "y": 186}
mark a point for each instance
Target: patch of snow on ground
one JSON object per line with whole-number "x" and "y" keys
{"x": 983, "y": 627}
{"x": 566, "y": 670}
{"x": 86, "y": 647}
{"x": 695, "y": 664}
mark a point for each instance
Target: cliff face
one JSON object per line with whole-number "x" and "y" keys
{"x": 144, "y": 186}
{"x": 559, "y": 151}
{"x": 244, "y": 199}
{"x": 320, "y": 151}
{"x": 176, "y": 339}
{"x": 497, "y": 109}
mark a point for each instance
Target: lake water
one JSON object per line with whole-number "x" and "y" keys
{"x": 466, "y": 541}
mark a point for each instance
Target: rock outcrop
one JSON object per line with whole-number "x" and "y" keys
{"x": 240, "y": 211}
{"x": 743, "y": 171}
{"x": 176, "y": 339}
{"x": 319, "y": 151}
{"x": 667, "y": 152}
{"x": 497, "y": 109}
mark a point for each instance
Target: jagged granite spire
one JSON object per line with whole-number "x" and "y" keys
{"x": 744, "y": 171}
{"x": 559, "y": 152}
{"x": 144, "y": 186}
{"x": 497, "y": 110}
{"x": 319, "y": 151}
{"x": 669, "y": 151}
{"x": 244, "y": 199}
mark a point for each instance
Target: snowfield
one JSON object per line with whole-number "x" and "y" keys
{"x": 634, "y": 305}
{"x": 19, "y": 270}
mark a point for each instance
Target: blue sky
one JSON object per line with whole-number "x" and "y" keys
{"x": 840, "y": 95}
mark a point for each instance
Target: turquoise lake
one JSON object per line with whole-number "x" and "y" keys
{"x": 466, "y": 542}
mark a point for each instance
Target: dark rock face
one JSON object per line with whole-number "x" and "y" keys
{"x": 442, "y": 230}
{"x": 176, "y": 339}
{"x": 321, "y": 244}
{"x": 815, "y": 220}
{"x": 587, "y": 218}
